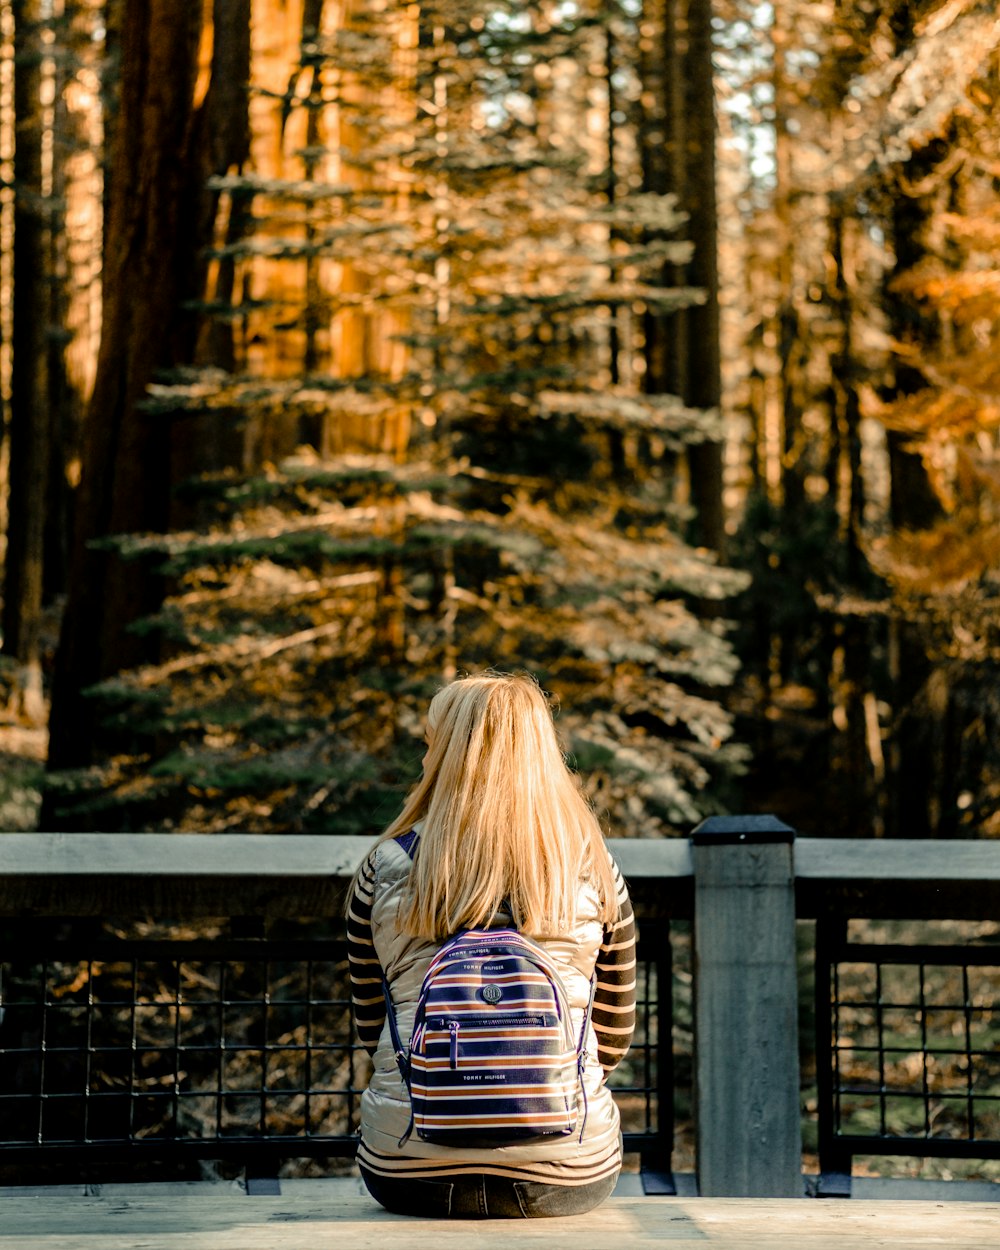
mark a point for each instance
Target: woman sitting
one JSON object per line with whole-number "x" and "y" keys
{"x": 495, "y": 834}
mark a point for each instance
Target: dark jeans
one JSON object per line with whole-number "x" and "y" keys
{"x": 479, "y": 1196}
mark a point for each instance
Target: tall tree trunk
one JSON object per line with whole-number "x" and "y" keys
{"x": 220, "y": 144}
{"x": 789, "y": 326}
{"x": 74, "y": 232}
{"x": 312, "y": 428}
{"x": 664, "y": 171}
{"x": 916, "y": 197}
{"x": 30, "y": 440}
{"x": 856, "y": 745}
{"x": 704, "y": 381}
{"x": 677, "y": 336}
{"x": 920, "y": 192}
{"x": 617, "y": 453}
{"x": 110, "y": 80}
{"x": 913, "y": 502}
{"x": 847, "y": 479}
{"x": 125, "y": 477}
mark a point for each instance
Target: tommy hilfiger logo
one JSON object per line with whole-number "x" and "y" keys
{"x": 491, "y": 993}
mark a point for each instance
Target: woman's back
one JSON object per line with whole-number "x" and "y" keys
{"x": 552, "y": 880}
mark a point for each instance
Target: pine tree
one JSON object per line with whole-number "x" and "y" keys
{"x": 502, "y": 492}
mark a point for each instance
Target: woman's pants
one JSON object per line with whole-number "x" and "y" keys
{"x": 482, "y": 1196}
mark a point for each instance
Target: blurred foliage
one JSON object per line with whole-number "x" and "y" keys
{"x": 866, "y": 366}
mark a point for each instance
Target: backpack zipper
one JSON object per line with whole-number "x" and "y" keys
{"x": 486, "y": 1021}
{"x": 454, "y": 1026}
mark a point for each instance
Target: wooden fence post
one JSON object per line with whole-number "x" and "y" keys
{"x": 749, "y": 1133}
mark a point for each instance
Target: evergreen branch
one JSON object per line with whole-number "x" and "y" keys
{"x": 280, "y": 188}
{"x": 213, "y": 389}
{"x": 663, "y": 414}
{"x": 240, "y": 653}
{"x": 297, "y": 587}
{"x": 505, "y": 303}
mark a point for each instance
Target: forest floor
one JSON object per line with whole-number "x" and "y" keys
{"x": 22, "y": 762}
{"x": 24, "y": 742}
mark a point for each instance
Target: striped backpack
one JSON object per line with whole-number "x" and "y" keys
{"x": 492, "y": 1058}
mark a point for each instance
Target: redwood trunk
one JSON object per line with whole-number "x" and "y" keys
{"x": 126, "y": 481}
{"x": 30, "y": 440}
{"x": 704, "y": 381}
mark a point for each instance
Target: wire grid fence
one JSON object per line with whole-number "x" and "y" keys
{"x": 908, "y": 1049}
{"x": 643, "y": 1083}
{"x": 223, "y": 1049}
{"x": 172, "y": 1048}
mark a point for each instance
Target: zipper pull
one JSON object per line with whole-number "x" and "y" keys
{"x": 453, "y": 1051}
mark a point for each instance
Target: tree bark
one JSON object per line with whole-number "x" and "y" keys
{"x": 916, "y": 198}
{"x": 704, "y": 382}
{"x": 220, "y": 144}
{"x": 665, "y": 171}
{"x": 846, "y": 423}
{"x": 789, "y": 329}
{"x": 920, "y": 193}
{"x": 74, "y": 267}
{"x": 30, "y": 438}
{"x": 114, "y": 20}
{"x": 125, "y": 476}
{"x": 222, "y": 141}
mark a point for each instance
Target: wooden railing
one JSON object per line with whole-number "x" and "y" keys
{"x": 184, "y": 996}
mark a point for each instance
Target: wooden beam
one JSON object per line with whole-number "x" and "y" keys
{"x": 186, "y": 875}
{"x": 897, "y": 878}
{"x": 222, "y": 1219}
{"x": 747, "y": 1113}
{"x": 892, "y": 859}
{"x": 271, "y": 875}
{"x": 176, "y": 875}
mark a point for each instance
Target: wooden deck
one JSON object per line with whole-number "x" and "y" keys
{"x": 316, "y": 1215}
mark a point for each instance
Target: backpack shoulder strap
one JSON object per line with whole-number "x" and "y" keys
{"x": 398, "y": 1049}
{"x": 408, "y": 841}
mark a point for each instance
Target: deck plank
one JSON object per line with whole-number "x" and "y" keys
{"x": 228, "y": 1220}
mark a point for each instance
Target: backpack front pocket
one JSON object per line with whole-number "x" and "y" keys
{"x": 491, "y": 1078}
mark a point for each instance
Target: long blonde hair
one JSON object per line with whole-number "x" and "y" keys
{"x": 503, "y": 818}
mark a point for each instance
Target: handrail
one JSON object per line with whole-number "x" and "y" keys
{"x": 78, "y": 874}
{"x": 911, "y": 878}
{"x": 272, "y": 875}
{"x": 896, "y": 859}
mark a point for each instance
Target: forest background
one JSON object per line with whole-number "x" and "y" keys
{"x": 646, "y": 345}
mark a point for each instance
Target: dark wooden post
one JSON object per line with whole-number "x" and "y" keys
{"x": 749, "y": 1135}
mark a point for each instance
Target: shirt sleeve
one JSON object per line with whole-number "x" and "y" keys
{"x": 366, "y": 972}
{"x": 614, "y": 994}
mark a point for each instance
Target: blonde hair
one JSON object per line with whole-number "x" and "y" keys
{"x": 503, "y": 818}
